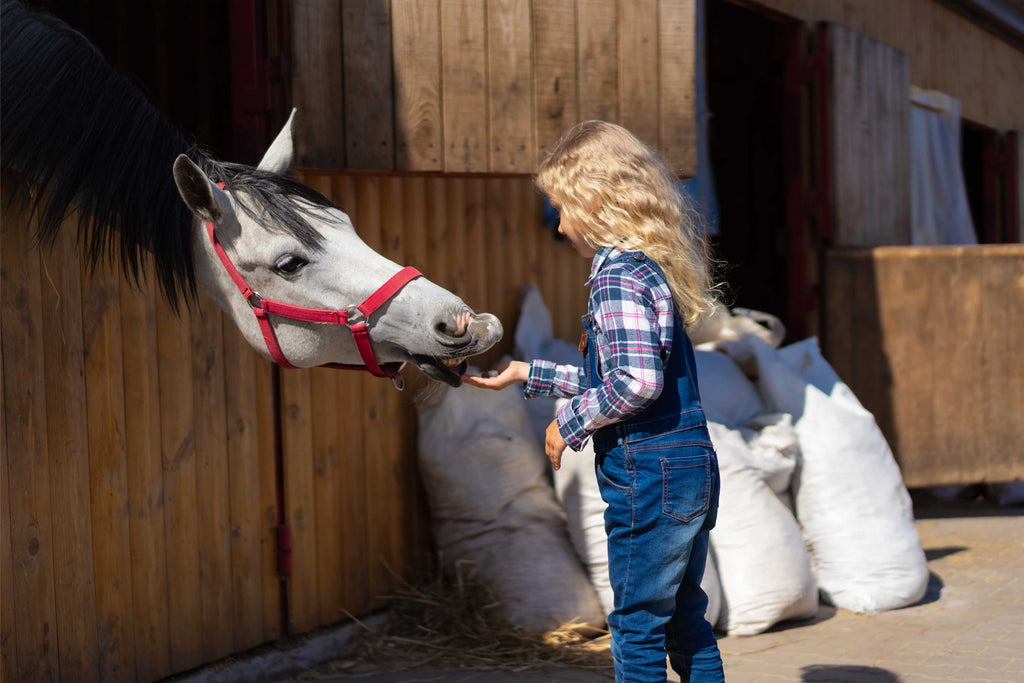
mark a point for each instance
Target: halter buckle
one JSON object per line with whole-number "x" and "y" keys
{"x": 353, "y": 315}
{"x": 255, "y": 299}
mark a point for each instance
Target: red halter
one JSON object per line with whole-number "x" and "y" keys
{"x": 354, "y": 317}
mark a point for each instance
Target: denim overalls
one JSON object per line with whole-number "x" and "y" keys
{"x": 658, "y": 473}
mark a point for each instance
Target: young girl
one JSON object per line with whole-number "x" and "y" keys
{"x": 636, "y": 394}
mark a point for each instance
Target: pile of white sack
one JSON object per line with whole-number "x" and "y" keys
{"x": 812, "y": 501}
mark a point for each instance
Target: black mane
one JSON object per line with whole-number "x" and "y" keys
{"x": 88, "y": 141}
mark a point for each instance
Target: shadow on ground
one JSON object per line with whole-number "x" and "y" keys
{"x": 847, "y": 674}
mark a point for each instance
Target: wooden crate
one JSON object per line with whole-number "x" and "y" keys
{"x": 929, "y": 339}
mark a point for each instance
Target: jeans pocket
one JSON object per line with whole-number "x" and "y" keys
{"x": 611, "y": 471}
{"x": 686, "y": 486}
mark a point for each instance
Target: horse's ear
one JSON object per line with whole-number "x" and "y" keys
{"x": 200, "y": 194}
{"x": 279, "y": 155}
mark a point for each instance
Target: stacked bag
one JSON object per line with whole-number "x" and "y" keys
{"x": 812, "y": 502}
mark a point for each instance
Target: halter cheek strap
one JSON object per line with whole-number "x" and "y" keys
{"x": 354, "y": 317}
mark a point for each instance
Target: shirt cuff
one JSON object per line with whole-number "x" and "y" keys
{"x": 540, "y": 381}
{"x": 571, "y": 427}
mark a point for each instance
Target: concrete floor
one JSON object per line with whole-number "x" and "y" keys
{"x": 969, "y": 627}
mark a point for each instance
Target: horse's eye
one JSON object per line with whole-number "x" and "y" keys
{"x": 290, "y": 264}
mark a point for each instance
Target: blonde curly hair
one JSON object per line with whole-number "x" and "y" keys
{"x": 621, "y": 193}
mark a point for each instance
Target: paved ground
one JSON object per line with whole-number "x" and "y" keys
{"x": 969, "y": 627}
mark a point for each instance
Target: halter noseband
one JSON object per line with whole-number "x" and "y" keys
{"x": 354, "y": 317}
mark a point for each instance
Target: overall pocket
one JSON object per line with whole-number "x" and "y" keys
{"x": 686, "y": 485}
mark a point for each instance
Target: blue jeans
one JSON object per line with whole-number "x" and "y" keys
{"x": 662, "y": 495}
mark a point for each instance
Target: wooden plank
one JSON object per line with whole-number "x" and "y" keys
{"x": 177, "y": 448}
{"x": 554, "y": 71}
{"x": 510, "y": 86}
{"x": 477, "y": 285}
{"x": 393, "y": 459}
{"x": 212, "y": 482}
{"x": 677, "y": 104}
{"x": 455, "y": 239}
{"x": 317, "y": 90}
{"x": 375, "y": 424}
{"x": 597, "y": 55}
{"x": 369, "y": 107}
{"x": 416, "y": 32}
{"x": 437, "y": 232}
{"x": 327, "y": 476}
{"x": 1000, "y": 269}
{"x": 299, "y": 498}
{"x": 898, "y": 98}
{"x": 638, "y": 81}
{"x": 354, "y": 568}
{"x": 267, "y": 439}
{"x": 8, "y": 636}
{"x": 108, "y": 476}
{"x": 145, "y": 479}
{"x": 242, "y": 415}
{"x": 28, "y": 475}
{"x": 464, "y": 86}
{"x": 955, "y": 315}
{"x": 417, "y": 515}
{"x": 68, "y": 440}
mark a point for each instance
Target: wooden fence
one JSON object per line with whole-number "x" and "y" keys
{"x": 929, "y": 339}
{"x": 139, "y": 480}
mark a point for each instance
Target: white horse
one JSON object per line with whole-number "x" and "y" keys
{"x": 276, "y": 255}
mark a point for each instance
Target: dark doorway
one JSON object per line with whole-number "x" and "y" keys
{"x": 747, "y": 54}
{"x": 178, "y": 54}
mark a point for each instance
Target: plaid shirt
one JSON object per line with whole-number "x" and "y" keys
{"x": 631, "y": 305}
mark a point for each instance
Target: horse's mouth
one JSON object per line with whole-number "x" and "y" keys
{"x": 447, "y": 370}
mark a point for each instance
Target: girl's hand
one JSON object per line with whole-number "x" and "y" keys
{"x": 554, "y": 444}
{"x": 508, "y": 372}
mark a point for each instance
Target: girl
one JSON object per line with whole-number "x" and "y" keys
{"x": 636, "y": 395}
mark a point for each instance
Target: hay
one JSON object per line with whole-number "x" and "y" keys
{"x": 452, "y": 622}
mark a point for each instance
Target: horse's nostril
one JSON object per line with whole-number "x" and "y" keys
{"x": 453, "y": 325}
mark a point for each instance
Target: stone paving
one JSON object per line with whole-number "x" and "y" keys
{"x": 969, "y": 627}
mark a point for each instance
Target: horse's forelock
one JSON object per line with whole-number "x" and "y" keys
{"x": 280, "y": 203}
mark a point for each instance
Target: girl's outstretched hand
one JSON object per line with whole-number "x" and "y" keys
{"x": 554, "y": 444}
{"x": 507, "y": 372}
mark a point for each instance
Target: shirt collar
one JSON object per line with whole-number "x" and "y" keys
{"x": 600, "y": 258}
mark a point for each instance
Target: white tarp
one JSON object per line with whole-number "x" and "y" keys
{"x": 939, "y": 211}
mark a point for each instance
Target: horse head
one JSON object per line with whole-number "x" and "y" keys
{"x": 295, "y": 247}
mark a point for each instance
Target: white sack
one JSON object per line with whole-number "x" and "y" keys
{"x": 762, "y": 562}
{"x": 577, "y": 491}
{"x": 774, "y": 450}
{"x": 726, "y": 394}
{"x": 712, "y": 586}
{"x": 849, "y": 494}
{"x": 491, "y": 504}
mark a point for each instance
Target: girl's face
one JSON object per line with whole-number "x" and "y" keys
{"x": 571, "y": 230}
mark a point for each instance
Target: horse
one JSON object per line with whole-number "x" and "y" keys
{"x": 277, "y": 256}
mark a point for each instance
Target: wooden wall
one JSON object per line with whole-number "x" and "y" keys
{"x": 947, "y": 52}
{"x": 472, "y": 86}
{"x": 138, "y": 489}
{"x": 870, "y": 140}
{"x": 929, "y": 341}
{"x": 137, "y": 471}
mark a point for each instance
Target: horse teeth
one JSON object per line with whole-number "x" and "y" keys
{"x": 452, "y": 362}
